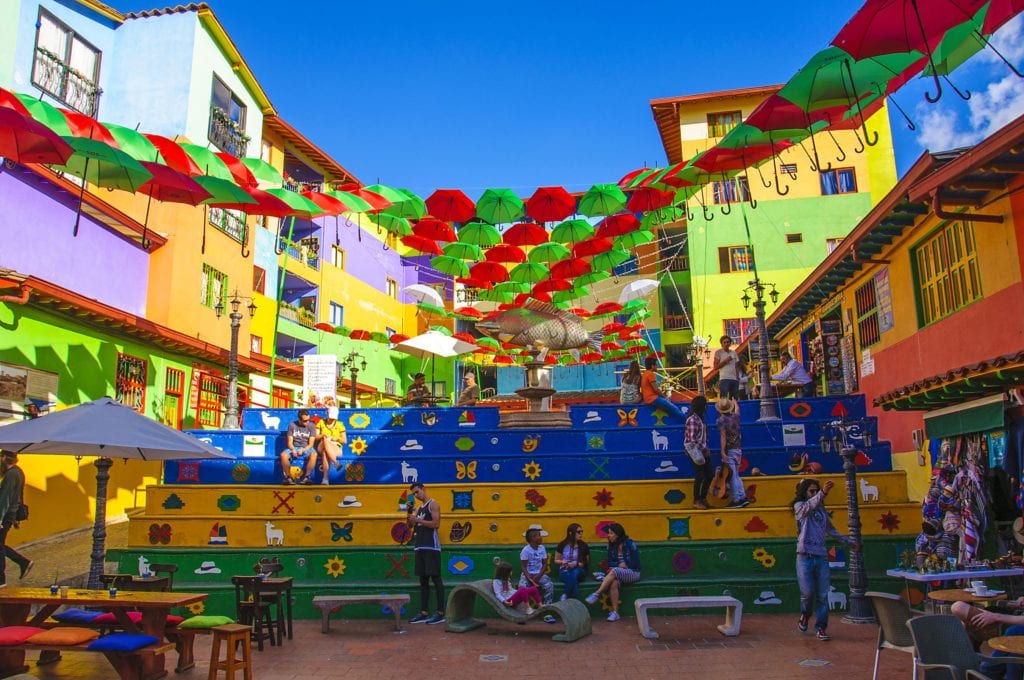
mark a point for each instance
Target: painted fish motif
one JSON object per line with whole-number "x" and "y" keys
{"x": 540, "y": 325}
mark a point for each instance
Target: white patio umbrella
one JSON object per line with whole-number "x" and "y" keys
{"x": 107, "y": 429}
{"x": 635, "y": 290}
{"x": 423, "y": 293}
{"x": 435, "y": 344}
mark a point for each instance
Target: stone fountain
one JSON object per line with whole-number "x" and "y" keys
{"x": 537, "y": 391}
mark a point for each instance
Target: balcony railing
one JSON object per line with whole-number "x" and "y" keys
{"x": 303, "y": 255}
{"x": 52, "y": 74}
{"x": 226, "y": 133}
{"x": 676, "y": 322}
{"x": 299, "y": 315}
{"x": 230, "y": 222}
{"x": 467, "y": 295}
{"x": 679, "y": 263}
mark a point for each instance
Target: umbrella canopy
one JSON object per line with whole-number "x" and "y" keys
{"x": 550, "y": 204}
{"x": 434, "y": 344}
{"x": 525, "y": 234}
{"x": 464, "y": 251}
{"x": 505, "y": 253}
{"x": 529, "y": 272}
{"x": 427, "y": 246}
{"x": 173, "y": 155}
{"x": 548, "y": 252}
{"x": 451, "y": 205}
{"x": 602, "y": 199}
{"x": 499, "y": 205}
{"x": 635, "y": 290}
{"x": 411, "y": 207}
{"x": 434, "y": 228}
{"x": 26, "y": 140}
{"x": 480, "y": 234}
{"x": 450, "y": 265}
{"x": 488, "y": 271}
{"x": 424, "y": 293}
{"x": 572, "y": 231}
{"x": 887, "y": 26}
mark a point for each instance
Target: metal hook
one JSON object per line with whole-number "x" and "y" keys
{"x": 814, "y": 166}
{"x": 892, "y": 100}
{"x": 689, "y": 215}
{"x": 859, "y": 141}
{"x": 775, "y": 169}
{"x": 727, "y": 208}
{"x": 965, "y": 95}
{"x": 860, "y": 111}
{"x": 842, "y": 154}
{"x": 707, "y": 216}
{"x": 764, "y": 182}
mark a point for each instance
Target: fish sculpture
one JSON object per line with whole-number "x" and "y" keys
{"x": 540, "y": 325}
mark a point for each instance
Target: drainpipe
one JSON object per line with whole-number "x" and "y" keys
{"x": 21, "y": 298}
{"x": 939, "y": 212}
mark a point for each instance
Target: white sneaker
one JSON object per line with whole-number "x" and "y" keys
{"x": 614, "y": 616}
{"x": 563, "y": 598}
{"x": 529, "y": 611}
{"x": 592, "y": 598}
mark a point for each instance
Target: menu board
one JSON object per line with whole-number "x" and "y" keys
{"x": 831, "y": 333}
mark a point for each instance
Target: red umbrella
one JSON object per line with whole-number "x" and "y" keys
{"x": 613, "y": 327}
{"x": 488, "y": 271}
{"x": 649, "y": 198}
{"x": 329, "y": 204}
{"x": 398, "y": 337}
{"x": 888, "y": 26}
{"x": 720, "y": 159}
{"x": 550, "y": 204}
{"x": 778, "y": 113}
{"x": 617, "y": 225}
{"x": 174, "y": 156}
{"x": 467, "y": 311}
{"x": 9, "y": 100}
{"x": 465, "y": 337}
{"x": 578, "y": 311}
{"x": 86, "y": 127}
{"x": 999, "y": 12}
{"x": 426, "y": 246}
{"x": 243, "y": 175}
{"x": 376, "y": 200}
{"x": 360, "y": 335}
{"x": 570, "y": 268}
{"x": 667, "y": 177}
{"x": 609, "y": 345}
{"x": 25, "y": 140}
{"x": 451, "y": 205}
{"x": 323, "y": 326}
{"x": 591, "y": 358}
{"x": 170, "y": 185}
{"x": 607, "y": 308}
{"x": 474, "y": 283}
{"x": 264, "y": 204}
{"x": 525, "y": 234}
{"x": 503, "y": 360}
{"x": 633, "y": 174}
{"x": 590, "y": 246}
{"x": 551, "y": 286}
{"x": 505, "y": 253}
{"x": 434, "y": 228}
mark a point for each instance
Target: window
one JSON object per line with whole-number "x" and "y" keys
{"x": 946, "y": 271}
{"x": 721, "y": 123}
{"x": 213, "y": 288}
{"x": 735, "y": 259}
{"x": 174, "y": 389}
{"x": 391, "y": 287}
{"x": 794, "y": 238}
{"x": 338, "y": 257}
{"x": 65, "y": 65}
{"x": 627, "y": 268}
{"x": 256, "y": 344}
{"x": 231, "y": 222}
{"x": 788, "y": 168}
{"x": 282, "y": 397}
{"x": 840, "y": 181}
{"x": 867, "y": 314}
{"x": 390, "y": 386}
{"x": 337, "y": 314}
{"x": 731, "y": 190}
{"x": 739, "y": 329}
{"x": 259, "y": 280}
{"x": 390, "y": 331}
{"x": 227, "y": 120}
{"x": 832, "y": 243}
{"x": 130, "y": 383}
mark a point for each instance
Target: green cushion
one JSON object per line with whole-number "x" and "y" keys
{"x": 208, "y": 621}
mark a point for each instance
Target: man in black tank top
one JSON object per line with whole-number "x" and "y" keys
{"x": 425, "y": 521}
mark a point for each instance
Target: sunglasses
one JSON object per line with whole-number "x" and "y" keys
{"x": 579, "y": 531}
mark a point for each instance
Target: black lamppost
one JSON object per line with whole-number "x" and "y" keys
{"x": 231, "y": 410}
{"x": 764, "y": 374}
{"x": 836, "y": 437}
{"x": 354, "y": 362}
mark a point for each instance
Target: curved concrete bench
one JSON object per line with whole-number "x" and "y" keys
{"x": 462, "y": 602}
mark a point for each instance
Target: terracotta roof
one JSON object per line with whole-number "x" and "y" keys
{"x": 991, "y": 376}
{"x": 177, "y": 9}
{"x": 311, "y": 153}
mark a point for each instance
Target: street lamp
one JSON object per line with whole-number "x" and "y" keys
{"x": 836, "y": 437}
{"x": 764, "y": 374}
{"x": 354, "y": 362}
{"x": 231, "y": 410}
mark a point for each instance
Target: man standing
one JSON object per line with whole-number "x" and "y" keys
{"x": 813, "y": 525}
{"x": 427, "y": 544}
{"x": 471, "y": 393}
{"x": 652, "y": 394}
{"x": 727, "y": 364}
{"x": 301, "y": 439}
{"x": 731, "y": 448}
{"x": 12, "y": 490}
{"x": 418, "y": 393}
{"x": 794, "y": 373}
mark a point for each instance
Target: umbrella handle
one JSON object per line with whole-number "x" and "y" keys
{"x": 775, "y": 168}
{"x": 999, "y": 54}
{"x": 81, "y": 195}
{"x": 965, "y": 95}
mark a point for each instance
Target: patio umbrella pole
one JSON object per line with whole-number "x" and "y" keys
{"x": 99, "y": 528}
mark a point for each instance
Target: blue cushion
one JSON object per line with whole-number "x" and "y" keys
{"x": 75, "y": 616}
{"x": 122, "y": 642}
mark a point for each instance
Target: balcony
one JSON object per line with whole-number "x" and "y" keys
{"x": 57, "y": 78}
{"x": 676, "y": 322}
{"x": 227, "y": 133}
{"x": 230, "y": 222}
{"x": 304, "y": 253}
{"x": 299, "y": 315}
{"x": 679, "y": 263}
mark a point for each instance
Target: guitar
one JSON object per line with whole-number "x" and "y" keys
{"x": 720, "y": 482}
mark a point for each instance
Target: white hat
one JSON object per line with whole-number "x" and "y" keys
{"x": 349, "y": 502}
{"x": 592, "y": 416}
{"x": 411, "y": 445}
{"x": 538, "y": 527}
{"x": 666, "y": 466}
{"x": 208, "y": 567}
{"x": 332, "y": 412}
{"x": 768, "y": 597}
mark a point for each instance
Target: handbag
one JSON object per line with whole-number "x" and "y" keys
{"x": 695, "y": 452}
{"x": 21, "y": 514}
{"x": 629, "y": 394}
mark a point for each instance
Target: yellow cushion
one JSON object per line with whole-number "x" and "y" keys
{"x": 64, "y": 635}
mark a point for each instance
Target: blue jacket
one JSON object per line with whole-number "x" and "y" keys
{"x": 630, "y": 555}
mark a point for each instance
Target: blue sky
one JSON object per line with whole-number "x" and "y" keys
{"x": 474, "y": 95}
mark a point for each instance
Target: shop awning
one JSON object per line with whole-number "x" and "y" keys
{"x": 957, "y": 386}
{"x": 979, "y": 415}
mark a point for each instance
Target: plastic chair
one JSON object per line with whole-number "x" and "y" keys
{"x": 252, "y": 608}
{"x": 943, "y": 649}
{"x": 892, "y": 614}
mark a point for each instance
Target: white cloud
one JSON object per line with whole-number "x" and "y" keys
{"x": 1009, "y": 40}
{"x": 938, "y": 129}
{"x": 997, "y": 105}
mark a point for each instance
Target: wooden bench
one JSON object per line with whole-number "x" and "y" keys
{"x": 128, "y": 664}
{"x": 733, "y": 611}
{"x": 328, "y": 604}
{"x": 462, "y": 603}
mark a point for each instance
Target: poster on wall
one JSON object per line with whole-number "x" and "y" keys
{"x": 883, "y": 295}
{"x": 320, "y": 380}
{"x": 25, "y": 392}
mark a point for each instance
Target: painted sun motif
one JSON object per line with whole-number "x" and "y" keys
{"x": 604, "y": 498}
{"x": 197, "y": 608}
{"x": 335, "y": 566}
{"x": 532, "y": 470}
{"x": 889, "y": 522}
{"x": 360, "y": 421}
{"x": 358, "y": 445}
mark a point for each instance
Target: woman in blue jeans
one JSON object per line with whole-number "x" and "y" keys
{"x": 572, "y": 556}
{"x": 983, "y": 624}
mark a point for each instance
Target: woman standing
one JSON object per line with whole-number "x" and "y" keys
{"x": 572, "y": 556}
{"x": 630, "y": 392}
{"x": 732, "y": 448}
{"x": 695, "y": 441}
{"x": 623, "y": 567}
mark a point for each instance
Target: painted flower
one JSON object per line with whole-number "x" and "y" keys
{"x": 532, "y": 470}
{"x": 355, "y": 472}
{"x": 240, "y": 472}
{"x": 531, "y": 494}
{"x": 335, "y": 567}
{"x": 760, "y": 554}
{"x": 596, "y": 443}
{"x": 360, "y": 421}
{"x": 197, "y": 608}
{"x": 359, "y": 446}
{"x": 768, "y": 562}
{"x": 604, "y": 498}
{"x": 889, "y": 522}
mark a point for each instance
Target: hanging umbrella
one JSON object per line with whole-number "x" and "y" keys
{"x": 505, "y": 253}
{"x": 87, "y": 127}
{"x": 410, "y": 207}
{"x": 529, "y": 272}
{"x": 656, "y": 218}
{"x": 451, "y": 205}
{"x": 464, "y": 251}
{"x": 47, "y": 114}
{"x": 488, "y": 271}
{"x": 353, "y": 202}
{"x": 169, "y": 185}
{"x": 373, "y": 198}
{"x": 602, "y": 199}
{"x": 431, "y": 309}
{"x": 574, "y": 293}
{"x": 300, "y": 205}
{"x": 553, "y": 285}
{"x": 498, "y": 206}
{"x": 239, "y": 171}
{"x": 468, "y": 314}
{"x": 228, "y": 195}
{"x": 525, "y": 234}
{"x": 473, "y": 282}
{"x": 591, "y": 246}
{"x": 359, "y": 334}
{"x": 591, "y": 278}
{"x": 450, "y": 265}
{"x": 634, "y": 177}
{"x": 635, "y": 290}
{"x": 511, "y": 288}
{"x": 479, "y": 234}
{"x": 133, "y": 143}
{"x": 434, "y": 344}
{"x": 548, "y": 252}
{"x": 330, "y": 205}
{"x": 644, "y": 199}
{"x": 25, "y": 140}
{"x": 427, "y": 246}
{"x": 106, "y": 429}
{"x": 570, "y": 268}
{"x": 572, "y": 231}
{"x": 392, "y": 223}
{"x": 10, "y": 100}
{"x": 617, "y": 225}
{"x": 392, "y": 194}
{"x": 888, "y": 26}
{"x": 423, "y": 293}
{"x": 171, "y": 154}
{"x": 264, "y": 172}
{"x": 609, "y": 260}
{"x": 208, "y": 161}
{"x": 550, "y": 204}
{"x": 632, "y": 240}
{"x": 606, "y": 309}
{"x": 999, "y": 12}
{"x": 434, "y": 228}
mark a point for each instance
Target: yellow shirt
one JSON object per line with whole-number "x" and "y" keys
{"x": 335, "y": 432}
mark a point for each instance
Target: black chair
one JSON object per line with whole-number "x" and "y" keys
{"x": 119, "y": 581}
{"x": 253, "y": 608}
{"x": 167, "y": 570}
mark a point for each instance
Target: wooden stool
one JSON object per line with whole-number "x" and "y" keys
{"x": 234, "y": 634}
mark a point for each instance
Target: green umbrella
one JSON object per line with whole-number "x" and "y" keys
{"x": 133, "y": 143}
{"x": 747, "y": 135}
{"x": 343, "y": 331}
{"x": 656, "y": 218}
{"x": 511, "y": 288}
{"x": 572, "y": 231}
{"x": 602, "y": 199}
{"x": 356, "y": 204}
{"x": 633, "y": 306}
{"x": 824, "y": 82}
{"x": 479, "y": 234}
{"x": 958, "y": 44}
{"x": 548, "y": 252}
{"x": 45, "y": 113}
{"x": 222, "y": 191}
{"x": 638, "y": 317}
{"x": 572, "y": 294}
{"x": 640, "y": 177}
{"x": 590, "y": 278}
{"x": 392, "y": 224}
{"x": 529, "y": 272}
{"x": 633, "y": 239}
{"x": 493, "y": 295}
{"x": 208, "y": 161}
{"x": 489, "y": 343}
{"x": 450, "y": 265}
{"x": 393, "y": 195}
{"x": 410, "y": 206}
{"x": 464, "y": 251}
{"x": 263, "y": 171}
{"x": 300, "y": 205}
{"x": 609, "y": 260}
{"x": 441, "y": 329}
{"x": 432, "y": 309}
{"x": 381, "y": 337}
{"x": 498, "y": 206}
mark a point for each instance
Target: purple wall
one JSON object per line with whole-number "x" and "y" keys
{"x": 36, "y": 221}
{"x": 366, "y": 259}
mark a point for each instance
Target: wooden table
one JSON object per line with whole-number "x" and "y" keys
{"x": 960, "y": 595}
{"x": 16, "y": 605}
{"x": 282, "y": 587}
{"x": 1011, "y": 644}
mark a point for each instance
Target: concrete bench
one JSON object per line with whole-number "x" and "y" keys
{"x": 733, "y": 611}
{"x": 462, "y": 602}
{"x": 328, "y": 604}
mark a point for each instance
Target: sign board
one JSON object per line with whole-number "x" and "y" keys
{"x": 320, "y": 380}
{"x": 867, "y": 364}
{"x": 21, "y": 387}
{"x": 755, "y": 351}
{"x": 883, "y": 296}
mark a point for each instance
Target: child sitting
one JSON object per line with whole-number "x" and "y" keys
{"x": 512, "y": 597}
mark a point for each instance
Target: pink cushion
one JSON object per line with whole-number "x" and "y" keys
{"x": 64, "y": 635}
{"x": 15, "y": 635}
{"x": 108, "y": 617}
{"x": 173, "y": 620}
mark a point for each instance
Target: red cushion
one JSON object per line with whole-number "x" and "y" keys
{"x": 15, "y": 635}
{"x": 173, "y": 620}
{"x": 108, "y": 617}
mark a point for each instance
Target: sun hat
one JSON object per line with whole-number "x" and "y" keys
{"x": 725, "y": 406}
